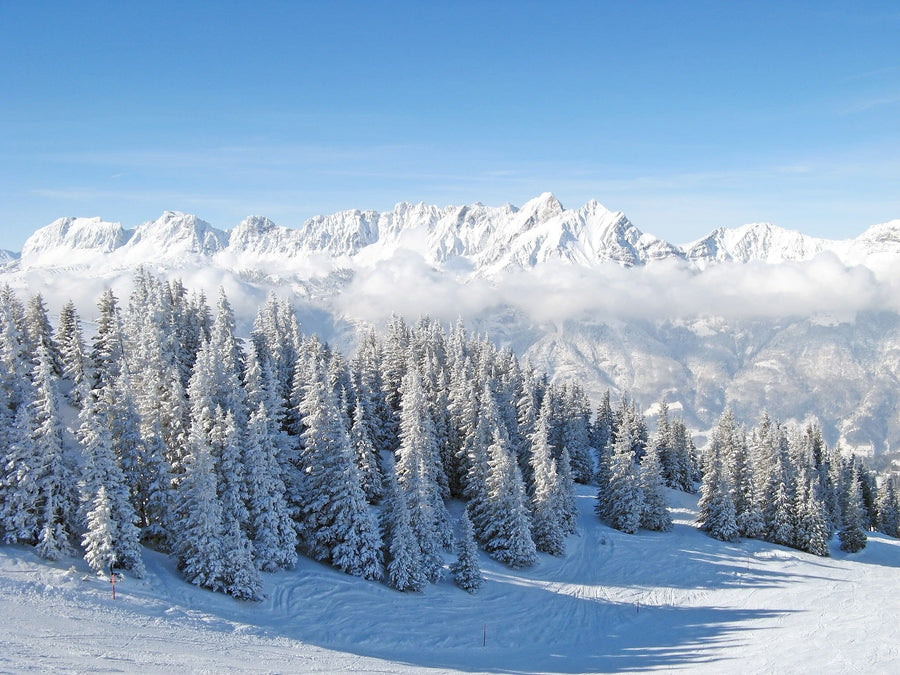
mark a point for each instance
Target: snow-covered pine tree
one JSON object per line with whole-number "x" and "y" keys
{"x": 717, "y": 515}
{"x": 19, "y": 505}
{"x": 627, "y": 416}
{"x": 239, "y": 573}
{"x": 463, "y": 407}
{"x": 107, "y": 344}
{"x": 683, "y": 452}
{"x": 780, "y": 528}
{"x": 111, "y": 537}
{"x": 852, "y": 534}
{"x": 335, "y": 523}
{"x": 394, "y": 361}
{"x": 655, "y": 514}
{"x": 71, "y": 351}
{"x": 39, "y": 333}
{"x": 17, "y": 453}
{"x": 507, "y": 534}
{"x": 99, "y": 542}
{"x": 196, "y": 529}
{"x": 526, "y": 417}
{"x": 466, "y": 572}
{"x": 228, "y": 363}
{"x": 547, "y": 518}
{"x": 576, "y": 433}
{"x": 662, "y": 444}
{"x": 366, "y": 455}
{"x": 602, "y": 428}
{"x": 370, "y": 389}
{"x": 731, "y": 445}
{"x": 811, "y": 531}
{"x": 418, "y": 464}
{"x": 565, "y": 494}
{"x": 404, "y": 557}
{"x": 604, "y": 469}
{"x": 147, "y": 474}
{"x": 624, "y": 499}
{"x": 271, "y": 528}
{"x": 888, "y": 512}
{"x": 56, "y": 496}
{"x": 155, "y": 373}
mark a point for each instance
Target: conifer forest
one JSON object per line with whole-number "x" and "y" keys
{"x": 235, "y": 454}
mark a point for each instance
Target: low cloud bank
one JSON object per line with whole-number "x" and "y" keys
{"x": 552, "y": 292}
{"x": 664, "y": 290}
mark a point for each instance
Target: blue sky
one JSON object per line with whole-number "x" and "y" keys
{"x": 684, "y": 115}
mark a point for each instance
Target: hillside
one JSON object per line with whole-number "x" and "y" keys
{"x": 615, "y": 602}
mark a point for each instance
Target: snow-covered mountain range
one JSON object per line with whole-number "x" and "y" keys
{"x": 755, "y": 317}
{"x": 488, "y": 239}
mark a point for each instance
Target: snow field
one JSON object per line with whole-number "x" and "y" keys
{"x": 646, "y": 602}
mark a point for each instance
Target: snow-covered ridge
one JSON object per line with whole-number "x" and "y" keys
{"x": 488, "y": 239}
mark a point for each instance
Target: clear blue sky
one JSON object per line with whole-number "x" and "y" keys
{"x": 684, "y": 115}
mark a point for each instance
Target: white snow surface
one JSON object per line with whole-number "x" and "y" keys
{"x": 677, "y": 601}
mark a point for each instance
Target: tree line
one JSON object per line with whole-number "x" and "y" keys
{"x": 235, "y": 456}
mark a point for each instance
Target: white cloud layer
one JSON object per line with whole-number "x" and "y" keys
{"x": 663, "y": 290}
{"x": 552, "y": 292}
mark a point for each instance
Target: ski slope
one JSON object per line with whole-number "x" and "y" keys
{"x": 615, "y": 603}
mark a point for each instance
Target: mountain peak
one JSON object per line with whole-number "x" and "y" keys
{"x": 544, "y": 206}
{"x": 55, "y": 243}
{"x": 176, "y": 233}
{"x": 763, "y": 242}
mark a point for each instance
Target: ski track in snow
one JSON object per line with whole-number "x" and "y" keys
{"x": 615, "y": 603}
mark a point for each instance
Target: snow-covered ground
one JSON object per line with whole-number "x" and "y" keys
{"x": 616, "y": 602}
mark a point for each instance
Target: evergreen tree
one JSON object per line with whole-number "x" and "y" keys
{"x": 466, "y": 572}
{"x": 39, "y": 334}
{"x": 811, "y": 531}
{"x": 145, "y": 469}
{"x": 197, "y": 526}
{"x": 852, "y": 534}
{"x": 602, "y": 429}
{"x": 507, "y": 534}
{"x": 624, "y": 500}
{"x": 655, "y": 514}
{"x": 888, "y": 513}
{"x": 780, "y": 526}
{"x": 417, "y": 467}
{"x": 404, "y": 557}
{"x": 72, "y": 351}
{"x": 107, "y": 344}
{"x": 366, "y": 456}
{"x": 19, "y": 507}
{"x": 55, "y": 495}
{"x": 547, "y": 526}
{"x": 271, "y": 528}
{"x": 683, "y": 452}
{"x": 239, "y": 573}
{"x": 717, "y": 514}
{"x": 576, "y": 434}
{"x": 112, "y": 537}
{"x": 335, "y": 523}
{"x": 565, "y": 494}
{"x": 99, "y": 541}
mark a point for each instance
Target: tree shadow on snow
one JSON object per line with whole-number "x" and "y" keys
{"x": 517, "y": 624}
{"x": 880, "y": 550}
